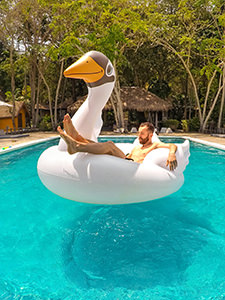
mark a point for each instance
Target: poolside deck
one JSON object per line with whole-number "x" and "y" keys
{"x": 43, "y": 135}
{"x": 25, "y": 139}
{"x": 201, "y": 136}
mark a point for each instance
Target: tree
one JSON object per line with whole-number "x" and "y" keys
{"x": 111, "y": 27}
{"x": 175, "y": 45}
{"x": 9, "y": 36}
{"x": 34, "y": 29}
{"x": 64, "y": 43}
{"x": 220, "y": 24}
{"x": 188, "y": 31}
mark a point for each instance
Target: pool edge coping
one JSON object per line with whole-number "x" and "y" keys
{"x": 40, "y": 141}
{"x": 207, "y": 143}
{"x": 26, "y": 144}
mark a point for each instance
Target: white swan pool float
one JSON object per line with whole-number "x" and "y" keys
{"x": 104, "y": 179}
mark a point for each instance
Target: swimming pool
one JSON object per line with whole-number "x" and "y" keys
{"x": 171, "y": 248}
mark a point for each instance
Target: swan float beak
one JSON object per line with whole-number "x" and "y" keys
{"x": 85, "y": 68}
{"x": 94, "y": 68}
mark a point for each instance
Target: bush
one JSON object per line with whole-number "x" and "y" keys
{"x": 172, "y": 123}
{"x": 184, "y": 124}
{"x": 194, "y": 124}
{"x": 45, "y": 123}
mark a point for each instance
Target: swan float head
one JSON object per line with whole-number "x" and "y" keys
{"x": 94, "y": 68}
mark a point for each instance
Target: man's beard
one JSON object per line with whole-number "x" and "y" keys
{"x": 143, "y": 141}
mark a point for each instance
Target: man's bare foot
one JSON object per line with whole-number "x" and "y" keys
{"x": 71, "y": 143}
{"x": 69, "y": 128}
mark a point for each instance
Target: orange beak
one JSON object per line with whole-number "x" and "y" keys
{"x": 85, "y": 68}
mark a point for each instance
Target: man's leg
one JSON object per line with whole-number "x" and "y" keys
{"x": 93, "y": 148}
{"x": 71, "y": 130}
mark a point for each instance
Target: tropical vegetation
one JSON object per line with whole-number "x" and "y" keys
{"x": 174, "y": 48}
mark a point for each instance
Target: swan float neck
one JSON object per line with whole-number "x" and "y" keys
{"x": 99, "y": 74}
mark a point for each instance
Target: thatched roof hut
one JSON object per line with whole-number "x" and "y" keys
{"x": 21, "y": 116}
{"x": 133, "y": 98}
{"x": 6, "y": 111}
{"x": 136, "y": 98}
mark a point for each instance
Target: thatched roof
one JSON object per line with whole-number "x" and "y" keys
{"x": 42, "y": 106}
{"x": 133, "y": 98}
{"x": 6, "y": 111}
{"x": 3, "y": 103}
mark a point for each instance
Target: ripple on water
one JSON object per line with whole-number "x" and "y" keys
{"x": 133, "y": 248}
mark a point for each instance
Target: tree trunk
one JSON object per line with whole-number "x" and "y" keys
{"x": 12, "y": 71}
{"x": 119, "y": 105}
{"x": 186, "y": 97}
{"x": 64, "y": 88}
{"x": 221, "y": 86}
{"x": 49, "y": 95}
{"x": 57, "y": 93}
{"x": 74, "y": 94}
{"x": 113, "y": 102}
{"x": 170, "y": 48}
{"x": 33, "y": 74}
{"x": 25, "y": 85}
{"x": 37, "y": 102}
{"x": 202, "y": 115}
{"x": 222, "y": 101}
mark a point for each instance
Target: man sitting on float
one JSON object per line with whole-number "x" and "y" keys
{"x": 76, "y": 143}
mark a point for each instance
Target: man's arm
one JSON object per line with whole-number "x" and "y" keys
{"x": 171, "y": 160}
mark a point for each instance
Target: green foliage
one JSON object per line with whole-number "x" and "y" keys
{"x": 8, "y": 95}
{"x": 150, "y": 42}
{"x": 194, "y": 124}
{"x": 159, "y": 88}
{"x": 172, "y": 123}
{"x": 184, "y": 124}
{"x": 17, "y": 95}
{"x": 26, "y": 92}
{"x": 45, "y": 124}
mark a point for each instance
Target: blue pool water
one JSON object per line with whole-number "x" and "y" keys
{"x": 168, "y": 249}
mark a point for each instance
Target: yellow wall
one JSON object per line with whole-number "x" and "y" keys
{"x": 4, "y": 122}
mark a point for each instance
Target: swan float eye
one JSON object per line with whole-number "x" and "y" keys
{"x": 109, "y": 69}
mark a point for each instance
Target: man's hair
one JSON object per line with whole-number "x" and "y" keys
{"x": 149, "y": 126}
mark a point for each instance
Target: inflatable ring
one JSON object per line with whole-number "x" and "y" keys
{"x": 104, "y": 179}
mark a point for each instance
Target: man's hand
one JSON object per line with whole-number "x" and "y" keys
{"x": 171, "y": 161}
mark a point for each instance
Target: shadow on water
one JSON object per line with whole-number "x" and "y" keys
{"x": 133, "y": 246}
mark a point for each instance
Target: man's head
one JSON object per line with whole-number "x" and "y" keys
{"x": 145, "y": 132}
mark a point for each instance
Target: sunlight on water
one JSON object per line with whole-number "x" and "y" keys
{"x": 171, "y": 248}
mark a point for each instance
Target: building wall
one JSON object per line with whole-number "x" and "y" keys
{"x": 4, "y": 122}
